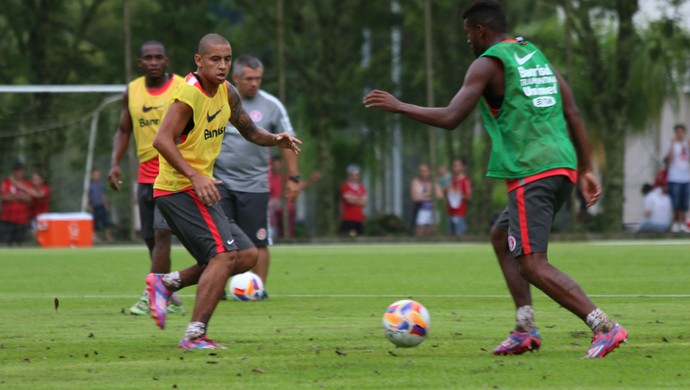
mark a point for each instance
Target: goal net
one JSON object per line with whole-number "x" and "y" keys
{"x": 62, "y": 132}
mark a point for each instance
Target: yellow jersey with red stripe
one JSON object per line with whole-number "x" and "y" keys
{"x": 146, "y": 108}
{"x": 202, "y": 137}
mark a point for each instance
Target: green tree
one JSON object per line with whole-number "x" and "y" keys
{"x": 623, "y": 81}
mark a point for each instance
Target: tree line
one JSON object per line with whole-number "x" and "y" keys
{"x": 322, "y": 56}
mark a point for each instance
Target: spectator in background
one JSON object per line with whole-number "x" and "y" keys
{"x": 353, "y": 198}
{"x": 98, "y": 205}
{"x": 41, "y": 203}
{"x": 422, "y": 192}
{"x": 443, "y": 176}
{"x": 275, "y": 202}
{"x": 661, "y": 177}
{"x": 458, "y": 193}
{"x": 17, "y": 196}
{"x": 658, "y": 211}
{"x": 678, "y": 156}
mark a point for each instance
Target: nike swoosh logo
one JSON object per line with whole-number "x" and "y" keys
{"x": 522, "y": 60}
{"x": 212, "y": 117}
{"x": 230, "y": 242}
{"x": 147, "y": 109}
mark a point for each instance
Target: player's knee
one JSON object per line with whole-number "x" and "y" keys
{"x": 246, "y": 260}
{"x": 531, "y": 266}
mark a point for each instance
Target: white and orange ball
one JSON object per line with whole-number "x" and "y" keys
{"x": 246, "y": 287}
{"x": 406, "y": 323}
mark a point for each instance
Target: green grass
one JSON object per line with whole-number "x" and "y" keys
{"x": 321, "y": 327}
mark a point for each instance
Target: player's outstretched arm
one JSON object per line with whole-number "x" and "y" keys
{"x": 176, "y": 118}
{"x": 245, "y": 125}
{"x": 589, "y": 185}
{"x": 477, "y": 78}
{"x": 120, "y": 143}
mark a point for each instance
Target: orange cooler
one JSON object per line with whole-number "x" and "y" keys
{"x": 60, "y": 230}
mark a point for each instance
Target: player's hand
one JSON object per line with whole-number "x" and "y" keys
{"x": 115, "y": 177}
{"x": 381, "y": 99}
{"x": 286, "y": 141}
{"x": 205, "y": 188}
{"x": 590, "y": 188}
{"x": 292, "y": 190}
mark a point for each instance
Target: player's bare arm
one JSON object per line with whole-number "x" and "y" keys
{"x": 292, "y": 188}
{"x": 589, "y": 185}
{"x": 478, "y": 76}
{"x": 120, "y": 143}
{"x": 245, "y": 125}
{"x": 174, "y": 122}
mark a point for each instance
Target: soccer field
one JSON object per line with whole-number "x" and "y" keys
{"x": 321, "y": 327}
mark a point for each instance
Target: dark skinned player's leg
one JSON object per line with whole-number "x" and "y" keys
{"x": 262, "y": 264}
{"x": 212, "y": 283}
{"x": 525, "y": 337}
{"x": 517, "y": 285}
{"x": 246, "y": 259}
{"x": 149, "y": 244}
{"x": 160, "y": 253}
{"x": 560, "y": 287}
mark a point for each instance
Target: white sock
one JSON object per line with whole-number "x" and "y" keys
{"x": 175, "y": 299}
{"x": 172, "y": 280}
{"x": 194, "y": 330}
{"x": 598, "y": 321}
{"x": 524, "y": 318}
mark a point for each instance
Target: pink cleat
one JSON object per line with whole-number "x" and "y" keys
{"x": 159, "y": 296}
{"x": 518, "y": 343}
{"x": 604, "y": 343}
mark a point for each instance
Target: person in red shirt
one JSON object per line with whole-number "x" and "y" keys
{"x": 458, "y": 193}
{"x": 353, "y": 198}
{"x": 275, "y": 201}
{"x": 40, "y": 204}
{"x": 17, "y": 195}
{"x": 661, "y": 177}
{"x": 275, "y": 198}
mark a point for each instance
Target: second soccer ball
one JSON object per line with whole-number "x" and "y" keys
{"x": 246, "y": 287}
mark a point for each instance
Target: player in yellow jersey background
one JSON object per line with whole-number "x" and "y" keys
{"x": 143, "y": 106}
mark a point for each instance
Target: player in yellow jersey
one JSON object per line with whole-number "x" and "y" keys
{"x": 143, "y": 106}
{"x": 189, "y": 141}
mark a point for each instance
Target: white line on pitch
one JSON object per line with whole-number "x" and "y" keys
{"x": 461, "y": 296}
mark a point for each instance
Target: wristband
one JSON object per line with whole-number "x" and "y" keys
{"x": 295, "y": 178}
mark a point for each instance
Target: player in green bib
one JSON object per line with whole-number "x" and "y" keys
{"x": 540, "y": 148}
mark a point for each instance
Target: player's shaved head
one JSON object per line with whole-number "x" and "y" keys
{"x": 152, "y": 42}
{"x": 209, "y": 40}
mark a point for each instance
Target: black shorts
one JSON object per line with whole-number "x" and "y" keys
{"x": 249, "y": 211}
{"x": 204, "y": 230}
{"x": 503, "y": 220}
{"x": 149, "y": 215}
{"x": 531, "y": 210}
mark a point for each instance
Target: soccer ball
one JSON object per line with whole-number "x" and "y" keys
{"x": 246, "y": 287}
{"x": 406, "y": 323}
